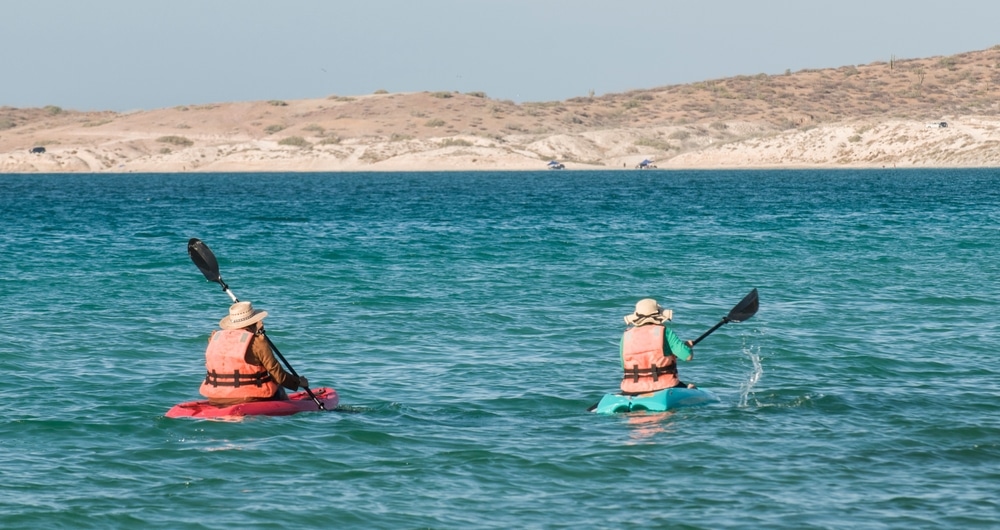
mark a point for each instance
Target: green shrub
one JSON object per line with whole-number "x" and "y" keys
{"x": 381, "y": 91}
{"x": 271, "y": 129}
{"x": 175, "y": 140}
{"x": 655, "y": 143}
{"x": 296, "y": 141}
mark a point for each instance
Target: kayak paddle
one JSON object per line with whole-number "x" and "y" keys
{"x": 205, "y": 260}
{"x": 742, "y": 311}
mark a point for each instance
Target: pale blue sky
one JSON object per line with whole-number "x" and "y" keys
{"x": 144, "y": 54}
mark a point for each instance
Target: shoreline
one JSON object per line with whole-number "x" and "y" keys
{"x": 138, "y": 144}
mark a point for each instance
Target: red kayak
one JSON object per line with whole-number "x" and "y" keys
{"x": 297, "y": 402}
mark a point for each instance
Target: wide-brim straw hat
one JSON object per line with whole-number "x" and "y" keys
{"x": 647, "y": 311}
{"x": 241, "y": 315}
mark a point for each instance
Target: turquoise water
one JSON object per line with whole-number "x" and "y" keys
{"x": 469, "y": 319}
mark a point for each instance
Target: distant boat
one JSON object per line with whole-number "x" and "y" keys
{"x": 556, "y": 165}
{"x": 646, "y": 164}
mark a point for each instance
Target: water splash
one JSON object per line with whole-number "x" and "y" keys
{"x": 752, "y": 351}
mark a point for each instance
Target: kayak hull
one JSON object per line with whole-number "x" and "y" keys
{"x": 297, "y": 402}
{"x": 659, "y": 401}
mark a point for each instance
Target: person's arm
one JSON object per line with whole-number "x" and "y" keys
{"x": 682, "y": 349}
{"x": 265, "y": 356}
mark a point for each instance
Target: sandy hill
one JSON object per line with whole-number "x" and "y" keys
{"x": 879, "y": 114}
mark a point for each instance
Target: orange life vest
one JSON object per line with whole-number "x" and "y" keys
{"x": 229, "y": 375}
{"x": 647, "y": 367}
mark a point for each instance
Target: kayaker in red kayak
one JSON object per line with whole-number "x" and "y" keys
{"x": 239, "y": 363}
{"x": 649, "y": 350}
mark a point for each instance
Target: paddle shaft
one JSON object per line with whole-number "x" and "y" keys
{"x": 709, "y": 332}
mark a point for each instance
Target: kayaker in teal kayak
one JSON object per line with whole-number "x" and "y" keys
{"x": 240, "y": 366}
{"x": 649, "y": 350}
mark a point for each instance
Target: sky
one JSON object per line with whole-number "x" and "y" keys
{"x": 126, "y": 55}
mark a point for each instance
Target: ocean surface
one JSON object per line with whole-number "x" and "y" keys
{"x": 468, "y": 320}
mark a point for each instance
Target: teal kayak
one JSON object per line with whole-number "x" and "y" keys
{"x": 659, "y": 401}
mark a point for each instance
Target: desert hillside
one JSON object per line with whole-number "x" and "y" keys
{"x": 879, "y": 114}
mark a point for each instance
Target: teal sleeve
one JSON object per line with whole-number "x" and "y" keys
{"x": 676, "y": 345}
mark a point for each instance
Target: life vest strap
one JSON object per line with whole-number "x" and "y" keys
{"x": 236, "y": 379}
{"x": 655, "y": 371}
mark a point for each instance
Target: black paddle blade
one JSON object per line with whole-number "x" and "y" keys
{"x": 203, "y": 258}
{"x": 746, "y": 308}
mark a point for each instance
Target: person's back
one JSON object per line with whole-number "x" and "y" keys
{"x": 649, "y": 350}
{"x": 239, "y": 364}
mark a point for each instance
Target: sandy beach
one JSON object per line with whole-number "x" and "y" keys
{"x": 935, "y": 112}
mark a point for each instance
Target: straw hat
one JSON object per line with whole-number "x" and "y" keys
{"x": 241, "y": 315}
{"x": 647, "y": 311}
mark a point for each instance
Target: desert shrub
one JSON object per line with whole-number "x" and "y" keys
{"x": 277, "y": 103}
{"x": 442, "y": 95}
{"x": 396, "y": 137}
{"x": 476, "y": 94}
{"x": 7, "y": 123}
{"x": 165, "y": 151}
{"x": 52, "y": 110}
{"x": 175, "y": 140}
{"x": 854, "y": 138}
{"x": 296, "y": 141}
{"x": 314, "y": 128}
{"x": 271, "y": 129}
{"x": 330, "y": 140}
{"x": 434, "y": 123}
{"x": 655, "y": 143}
{"x": 455, "y": 142}
{"x": 680, "y": 135}
{"x": 381, "y": 91}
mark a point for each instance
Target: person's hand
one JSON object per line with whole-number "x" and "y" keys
{"x": 303, "y": 382}
{"x": 690, "y": 343}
